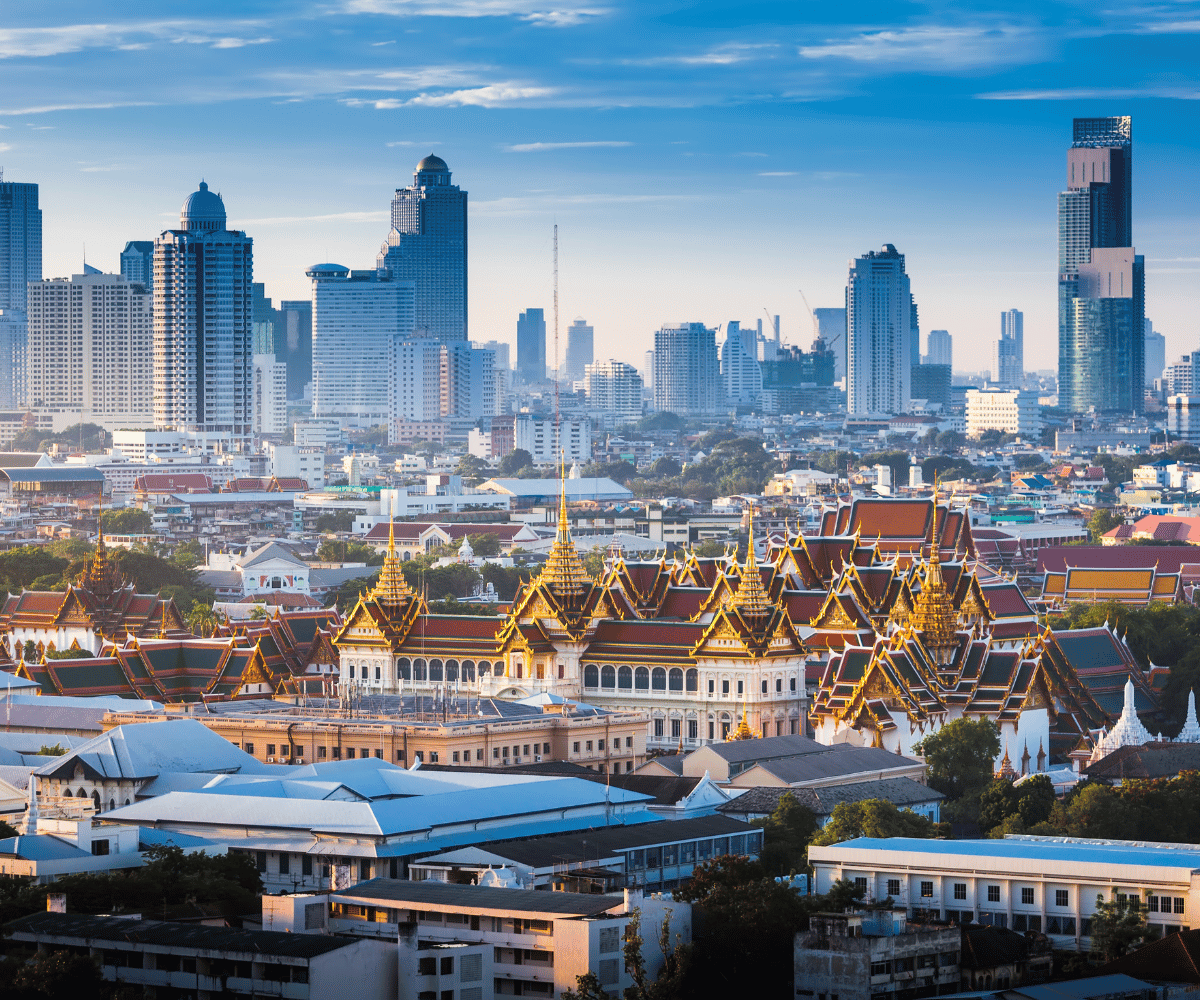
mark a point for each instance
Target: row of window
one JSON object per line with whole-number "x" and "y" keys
{"x": 607, "y": 678}
{"x": 691, "y": 852}
{"x": 421, "y": 670}
{"x": 1062, "y": 897}
{"x": 601, "y": 745}
{"x": 944, "y": 960}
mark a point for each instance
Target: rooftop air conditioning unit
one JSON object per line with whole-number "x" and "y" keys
{"x": 299, "y": 760}
{"x": 270, "y": 760}
{"x": 506, "y": 762}
{"x": 537, "y": 757}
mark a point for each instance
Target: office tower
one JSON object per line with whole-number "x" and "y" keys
{"x": 1155, "y": 354}
{"x": 648, "y": 376}
{"x": 90, "y": 348}
{"x": 13, "y": 337}
{"x": 270, "y": 395}
{"x": 294, "y": 344}
{"x": 614, "y": 388}
{"x": 427, "y": 245}
{"x": 502, "y": 349}
{"x": 767, "y": 348}
{"x": 831, "y": 328}
{"x": 687, "y": 376}
{"x": 1008, "y": 352}
{"x": 467, "y": 381}
{"x": 879, "y": 313}
{"x": 264, "y": 321}
{"x": 20, "y": 263}
{"x": 1101, "y": 277}
{"x": 137, "y": 262}
{"x": 203, "y": 312}
{"x": 914, "y": 339}
{"x": 940, "y": 346}
{"x": 579, "y": 350}
{"x": 741, "y": 373}
{"x": 531, "y": 346}
{"x": 931, "y": 383}
{"x": 357, "y": 318}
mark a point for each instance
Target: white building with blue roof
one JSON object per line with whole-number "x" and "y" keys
{"x": 1026, "y": 883}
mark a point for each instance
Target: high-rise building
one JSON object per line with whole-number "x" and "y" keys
{"x": 90, "y": 349}
{"x": 931, "y": 383}
{"x": 203, "y": 316}
{"x": 293, "y": 344}
{"x": 879, "y": 315}
{"x": 914, "y": 334}
{"x": 1155, "y": 354}
{"x": 1101, "y": 277}
{"x": 467, "y": 381}
{"x": 502, "y": 374}
{"x": 687, "y": 375}
{"x": 502, "y": 349}
{"x": 358, "y": 317}
{"x": 613, "y": 388}
{"x": 13, "y": 337}
{"x": 20, "y": 263}
{"x": 741, "y": 373}
{"x": 415, "y": 385}
{"x": 137, "y": 262}
{"x": 579, "y": 350}
{"x": 427, "y": 245}
{"x": 1008, "y": 352}
{"x": 831, "y": 328}
{"x": 648, "y": 374}
{"x": 940, "y": 346}
{"x": 264, "y": 322}
{"x": 270, "y": 395}
{"x": 531, "y": 346}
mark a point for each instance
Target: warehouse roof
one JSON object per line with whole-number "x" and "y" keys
{"x": 482, "y": 898}
{"x": 1064, "y": 849}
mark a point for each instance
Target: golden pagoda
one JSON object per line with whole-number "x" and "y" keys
{"x": 743, "y": 731}
{"x": 391, "y": 589}
{"x": 933, "y": 614}
{"x": 564, "y": 571}
{"x": 751, "y": 599}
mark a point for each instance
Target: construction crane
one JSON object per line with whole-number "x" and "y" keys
{"x": 557, "y": 412}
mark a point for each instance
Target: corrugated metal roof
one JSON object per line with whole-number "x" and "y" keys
{"x": 1067, "y": 850}
{"x": 482, "y": 898}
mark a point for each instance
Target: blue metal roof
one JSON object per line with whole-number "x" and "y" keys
{"x": 1096, "y": 853}
{"x": 53, "y": 474}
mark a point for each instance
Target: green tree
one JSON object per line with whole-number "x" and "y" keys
{"x": 516, "y": 463}
{"x": 874, "y": 818}
{"x": 897, "y": 461}
{"x": 58, "y": 975}
{"x": 946, "y": 467}
{"x": 485, "y": 545}
{"x": 1101, "y": 521}
{"x": 948, "y": 442}
{"x": 19, "y": 567}
{"x": 665, "y": 468}
{"x": 335, "y": 521}
{"x": 127, "y": 521}
{"x": 349, "y": 592}
{"x": 786, "y": 835}
{"x": 664, "y": 420}
{"x": 202, "y": 621}
{"x": 505, "y": 579}
{"x": 344, "y": 550}
{"x": 57, "y": 750}
{"x": 1118, "y": 926}
{"x": 960, "y": 756}
{"x": 473, "y": 467}
{"x": 996, "y": 803}
{"x": 1035, "y": 799}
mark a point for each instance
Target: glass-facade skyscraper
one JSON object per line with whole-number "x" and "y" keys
{"x": 20, "y": 263}
{"x": 531, "y": 346}
{"x": 1101, "y": 278}
{"x": 427, "y": 245}
{"x": 137, "y": 263}
{"x": 879, "y": 331}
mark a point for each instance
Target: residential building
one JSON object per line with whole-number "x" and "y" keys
{"x": 197, "y": 960}
{"x": 270, "y": 395}
{"x": 502, "y": 349}
{"x": 295, "y": 338}
{"x": 570, "y": 442}
{"x": 831, "y": 328}
{"x": 468, "y": 382}
{"x": 531, "y": 346}
{"x": 1180, "y": 421}
{"x": 203, "y": 315}
{"x": 687, "y": 374}
{"x": 879, "y": 332}
{"x": 614, "y": 388}
{"x": 1155, "y": 354}
{"x": 1008, "y": 352}
{"x": 1048, "y": 885}
{"x": 295, "y": 461}
{"x": 648, "y": 373}
{"x": 415, "y": 385}
{"x": 1101, "y": 277}
{"x": 875, "y": 955}
{"x": 1013, "y": 411}
{"x": 90, "y": 349}
{"x": 940, "y": 346}
{"x": 358, "y": 318}
{"x": 741, "y": 373}
{"x": 579, "y": 350}
{"x": 137, "y": 263}
{"x": 427, "y": 245}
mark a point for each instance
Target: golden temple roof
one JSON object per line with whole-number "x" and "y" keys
{"x": 750, "y": 598}
{"x": 933, "y": 614}
{"x": 391, "y": 588}
{"x": 564, "y": 570}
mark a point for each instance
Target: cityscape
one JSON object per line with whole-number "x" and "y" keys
{"x": 658, "y": 575}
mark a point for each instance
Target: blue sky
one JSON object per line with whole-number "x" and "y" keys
{"x": 703, "y": 161}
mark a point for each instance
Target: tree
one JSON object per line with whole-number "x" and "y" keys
{"x": 960, "y": 756}
{"x": 948, "y": 442}
{"x": 1102, "y": 520}
{"x": 514, "y": 463}
{"x": 473, "y": 467}
{"x": 946, "y": 467}
{"x": 348, "y": 593}
{"x": 997, "y": 802}
{"x": 485, "y": 545}
{"x": 897, "y": 461}
{"x": 127, "y": 521}
{"x": 57, "y": 975}
{"x": 786, "y": 835}
{"x": 57, "y": 750}
{"x": 202, "y": 621}
{"x": 1035, "y": 799}
{"x": 665, "y": 468}
{"x": 1118, "y": 926}
{"x": 876, "y": 818}
{"x": 335, "y": 521}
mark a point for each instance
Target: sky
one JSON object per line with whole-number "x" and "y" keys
{"x": 704, "y": 162}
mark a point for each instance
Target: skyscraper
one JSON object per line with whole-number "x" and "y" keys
{"x": 531, "y": 346}
{"x": 687, "y": 376}
{"x": 1008, "y": 352}
{"x": 940, "y": 346}
{"x": 879, "y": 315}
{"x": 427, "y": 245}
{"x": 614, "y": 388}
{"x": 295, "y": 317}
{"x": 1155, "y": 354}
{"x": 358, "y": 317}
{"x": 741, "y": 373}
{"x": 1101, "y": 277}
{"x": 20, "y": 263}
{"x": 468, "y": 381}
{"x": 203, "y": 314}
{"x": 137, "y": 262}
{"x": 831, "y": 328}
{"x": 579, "y": 350}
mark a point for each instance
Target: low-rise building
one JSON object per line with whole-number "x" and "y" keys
{"x": 1012, "y": 411}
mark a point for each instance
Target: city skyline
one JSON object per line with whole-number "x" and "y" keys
{"x": 621, "y": 135}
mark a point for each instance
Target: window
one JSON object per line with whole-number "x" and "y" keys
{"x": 893, "y": 887}
{"x": 99, "y": 847}
{"x": 881, "y": 968}
{"x": 711, "y": 685}
{"x": 426, "y": 966}
{"x": 960, "y": 890}
{"x": 658, "y": 679}
{"x": 350, "y": 753}
{"x": 249, "y": 748}
{"x": 575, "y": 747}
{"x": 675, "y": 679}
{"x": 260, "y": 860}
{"x": 993, "y": 893}
{"x": 693, "y": 729}
{"x": 589, "y": 744}
{"x": 1152, "y": 903}
{"x": 608, "y": 678}
{"x": 270, "y": 749}
{"x": 285, "y": 864}
{"x": 792, "y": 682}
{"x": 1180, "y": 904}
{"x": 454, "y": 757}
{"x": 625, "y": 678}
{"x": 779, "y": 685}
{"x": 658, "y": 728}
{"x": 447, "y": 966}
{"x": 676, "y": 731}
{"x": 860, "y": 884}
{"x": 641, "y": 679}
{"x": 1062, "y": 897}
{"x": 741, "y": 687}
{"x": 1027, "y": 896}
{"x": 546, "y": 747}
{"x": 692, "y": 680}
{"x": 629, "y": 742}
{"x": 591, "y": 677}
{"x": 305, "y": 864}
{"x": 724, "y": 687}
{"x": 764, "y": 687}
{"x": 927, "y": 890}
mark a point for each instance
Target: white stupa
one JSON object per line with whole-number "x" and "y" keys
{"x": 1128, "y": 731}
{"x": 1190, "y": 733}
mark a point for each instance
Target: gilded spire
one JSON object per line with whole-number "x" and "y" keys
{"x": 564, "y": 570}
{"x": 391, "y": 588}
{"x": 934, "y": 615}
{"x": 743, "y": 731}
{"x": 750, "y": 598}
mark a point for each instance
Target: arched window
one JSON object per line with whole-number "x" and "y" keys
{"x": 404, "y": 668}
{"x": 67, "y": 793}
{"x": 435, "y": 670}
{"x": 692, "y": 679}
{"x": 468, "y": 670}
{"x": 658, "y": 679}
{"x": 591, "y": 676}
{"x": 81, "y": 794}
{"x": 276, "y": 583}
{"x": 641, "y": 679}
{"x": 378, "y": 671}
{"x": 485, "y": 668}
{"x": 418, "y": 670}
{"x": 112, "y": 804}
{"x": 452, "y": 670}
{"x": 625, "y": 678}
{"x": 127, "y": 802}
{"x": 608, "y": 677}
{"x": 96, "y": 800}
{"x": 675, "y": 679}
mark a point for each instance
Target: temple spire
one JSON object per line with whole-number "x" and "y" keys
{"x": 933, "y": 612}
{"x": 391, "y": 588}
{"x": 564, "y": 570}
{"x": 750, "y": 598}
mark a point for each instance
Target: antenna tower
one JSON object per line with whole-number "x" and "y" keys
{"x": 557, "y": 414}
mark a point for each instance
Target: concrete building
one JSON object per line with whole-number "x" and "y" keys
{"x": 20, "y": 264}
{"x": 415, "y": 385}
{"x": 1013, "y": 411}
{"x": 270, "y": 395}
{"x": 294, "y": 335}
{"x": 137, "y": 263}
{"x": 741, "y": 373}
{"x": 537, "y": 435}
{"x": 467, "y": 381}
{"x": 358, "y": 318}
{"x": 427, "y": 245}
{"x": 1180, "y": 420}
{"x": 580, "y": 352}
{"x": 875, "y": 955}
{"x": 879, "y": 321}
{"x": 203, "y": 316}
{"x": 940, "y": 346}
{"x": 90, "y": 349}
{"x": 614, "y": 388}
{"x": 295, "y": 461}
{"x": 531, "y": 346}
{"x": 687, "y": 374}
{"x": 831, "y": 328}
{"x": 1155, "y": 354}
{"x": 1008, "y": 352}
{"x": 932, "y": 383}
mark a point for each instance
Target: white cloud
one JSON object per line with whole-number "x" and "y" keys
{"x": 729, "y": 54}
{"x": 390, "y": 41}
{"x": 5, "y": 147}
{"x": 544, "y": 147}
{"x": 406, "y": 142}
{"x": 63, "y": 39}
{"x": 777, "y": 173}
{"x": 101, "y": 169}
{"x": 493, "y": 95}
{"x": 526, "y": 10}
{"x": 237, "y": 43}
{"x": 933, "y": 47}
{"x": 1093, "y": 93}
{"x": 551, "y": 203}
{"x": 288, "y": 220}
{"x": 42, "y": 109}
